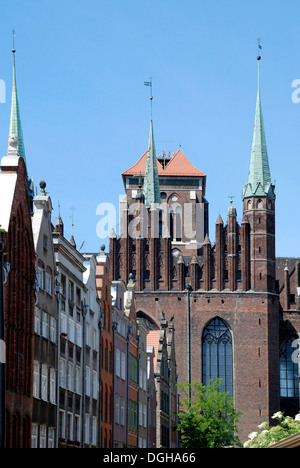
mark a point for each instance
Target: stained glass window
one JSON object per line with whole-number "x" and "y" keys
{"x": 217, "y": 355}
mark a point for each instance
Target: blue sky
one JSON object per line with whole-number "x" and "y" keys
{"x": 81, "y": 67}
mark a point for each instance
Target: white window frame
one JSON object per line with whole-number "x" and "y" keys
{"x": 44, "y": 383}
{"x": 94, "y": 431}
{"x": 62, "y": 373}
{"x": 95, "y": 385}
{"x": 78, "y": 337}
{"x": 88, "y": 381}
{"x": 71, "y": 291}
{"x": 70, "y": 376}
{"x": 123, "y": 366}
{"x": 78, "y": 380}
{"x": 88, "y": 335}
{"x": 34, "y": 435}
{"x": 118, "y": 362}
{"x": 40, "y": 275}
{"x": 51, "y": 437}
{"x": 144, "y": 415}
{"x": 122, "y": 411}
{"x": 52, "y": 330}
{"x": 36, "y": 379}
{"x": 71, "y": 331}
{"x": 87, "y": 429}
{"x": 37, "y": 321}
{"x": 63, "y": 323}
{"x": 48, "y": 283}
{"x": 43, "y": 436}
{"x": 70, "y": 417}
{"x": 45, "y": 325}
{"x": 78, "y": 426}
{"x": 117, "y": 409}
{"x": 62, "y": 414}
{"x": 52, "y": 390}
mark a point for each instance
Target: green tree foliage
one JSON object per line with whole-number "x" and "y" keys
{"x": 207, "y": 418}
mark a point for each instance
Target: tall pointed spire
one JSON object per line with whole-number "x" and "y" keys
{"x": 15, "y": 127}
{"x": 151, "y": 180}
{"x": 259, "y": 179}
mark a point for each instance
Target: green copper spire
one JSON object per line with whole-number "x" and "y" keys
{"x": 151, "y": 180}
{"x": 259, "y": 179}
{"x": 15, "y": 127}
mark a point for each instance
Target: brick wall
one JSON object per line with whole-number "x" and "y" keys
{"x": 253, "y": 322}
{"x": 19, "y": 316}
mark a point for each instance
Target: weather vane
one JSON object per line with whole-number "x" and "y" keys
{"x": 72, "y": 218}
{"x": 149, "y": 83}
{"x": 258, "y": 48}
{"x": 14, "y": 35}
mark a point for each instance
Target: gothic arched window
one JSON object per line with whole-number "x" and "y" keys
{"x": 289, "y": 369}
{"x": 217, "y": 355}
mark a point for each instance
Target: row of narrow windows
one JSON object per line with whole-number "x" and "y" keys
{"x": 217, "y": 360}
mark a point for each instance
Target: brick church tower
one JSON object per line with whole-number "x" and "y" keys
{"x": 259, "y": 208}
{"x": 222, "y": 295}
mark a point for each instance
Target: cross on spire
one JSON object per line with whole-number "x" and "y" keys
{"x": 231, "y": 198}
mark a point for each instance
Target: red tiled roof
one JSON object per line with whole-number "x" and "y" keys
{"x": 153, "y": 340}
{"x": 179, "y": 165}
